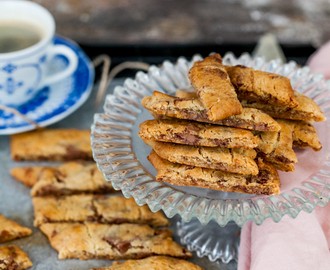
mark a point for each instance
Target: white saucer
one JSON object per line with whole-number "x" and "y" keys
{"x": 54, "y": 102}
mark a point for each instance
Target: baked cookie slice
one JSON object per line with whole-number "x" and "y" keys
{"x": 27, "y": 175}
{"x": 111, "y": 242}
{"x": 153, "y": 263}
{"x": 304, "y": 134}
{"x": 13, "y": 258}
{"x": 194, "y": 133}
{"x": 192, "y": 109}
{"x": 91, "y": 208}
{"x": 215, "y": 91}
{"x": 266, "y": 182}
{"x": 69, "y": 178}
{"x": 307, "y": 109}
{"x": 230, "y": 160}
{"x": 262, "y": 86}
{"x": 52, "y": 144}
{"x": 10, "y": 230}
{"x": 276, "y": 147}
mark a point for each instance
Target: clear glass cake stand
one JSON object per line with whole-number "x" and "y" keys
{"x": 210, "y": 219}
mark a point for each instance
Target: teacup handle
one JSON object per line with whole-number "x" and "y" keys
{"x": 70, "y": 69}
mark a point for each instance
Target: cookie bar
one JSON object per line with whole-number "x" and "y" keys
{"x": 13, "y": 258}
{"x": 70, "y": 178}
{"x": 52, "y": 144}
{"x": 230, "y": 160}
{"x": 304, "y": 134}
{"x": 307, "y": 109}
{"x": 111, "y": 242}
{"x": 153, "y": 263}
{"x": 262, "y": 86}
{"x": 276, "y": 147}
{"x": 28, "y": 175}
{"x": 194, "y": 133}
{"x": 215, "y": 91}
{"x": 100, "y": 209}
{"x": 192, "y": 109}
{"x": 266, "y": 182}
{"x": 10, "y": 230}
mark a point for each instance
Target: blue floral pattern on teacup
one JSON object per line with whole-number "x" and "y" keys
{"x": 13, "y": 83}
{"x": 54, "y": 102}
{"x": 9, "y": 68}
{"x": 10, "y": 85}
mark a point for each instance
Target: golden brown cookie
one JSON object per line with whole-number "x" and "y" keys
{"x": 28, "y": 175}
{"x": 52, "y": 144}
{"x": 262, "y": 86}
{"x": 10, "y": 230}
{"x": 194, "y": 133}
{"x": 215, "y": 91}
{"x": 111, "y": 242}
{"x": 153, "y": 263}
{"x": 230, "y": 160}
{"x": 192, "y": 109}
{"x": 266, "y": 182}
{"x": 69, "y": 178}
{"x": 307, "y": 109}
{"x": 304, "y": 134}
{"x": 276, "y": 147}
{"x": 91, "y": 208}
{"x": 13, "y": 258}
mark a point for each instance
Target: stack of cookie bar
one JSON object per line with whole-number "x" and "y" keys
{"x": 73, "y": 207}
{"x": 232, "y": 132}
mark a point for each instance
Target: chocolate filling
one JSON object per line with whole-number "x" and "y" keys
{"x": 217, "y": 72}
{"x": 267, "y": 98}
{"x": 10, "y": 264}
{"x": 202, "y": 116}
{"x": 54, "y": 233}
{"x": 283, "y": 159}
{"x": 271, "y": 158}
{"x": 74, "y": 153}
{"x": 204, "y": 184}
{"x": 261, "y": 178}
{"x": 51, "y": 190}
{"x": 4, "y": 236}
{"x": 191, "y": 139}
{"x": 121, "y": 246}
{"x": 187, "y": 138}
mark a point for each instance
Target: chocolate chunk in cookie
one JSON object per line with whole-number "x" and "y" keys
{"x": 194, "y": 133}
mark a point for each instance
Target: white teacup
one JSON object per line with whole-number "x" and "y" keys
{"x": 24, "y": 72}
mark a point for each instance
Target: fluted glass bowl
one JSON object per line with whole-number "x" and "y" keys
{"x": 122, "y": 156}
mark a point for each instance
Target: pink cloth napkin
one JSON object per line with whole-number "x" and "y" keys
{"x": 319, "y": 62}
{"x": 293, "y": 244}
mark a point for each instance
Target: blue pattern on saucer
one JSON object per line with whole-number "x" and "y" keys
{"x": 56, "y": 101}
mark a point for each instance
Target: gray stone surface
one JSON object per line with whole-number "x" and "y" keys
{"x": 110, "y": 22}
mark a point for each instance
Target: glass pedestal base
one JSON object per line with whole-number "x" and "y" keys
{"x": 211, "y": 240}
